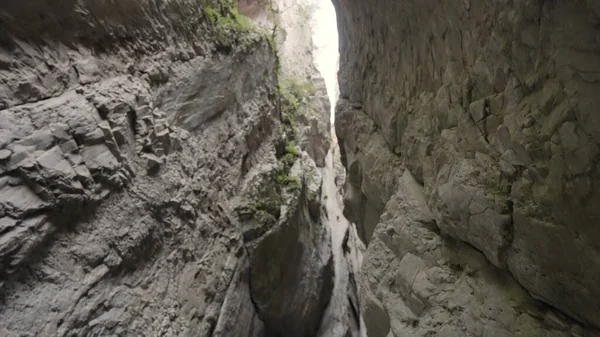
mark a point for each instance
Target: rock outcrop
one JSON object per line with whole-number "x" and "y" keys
{"x": 136, "y": 137}
{"x": 469, "y": 133}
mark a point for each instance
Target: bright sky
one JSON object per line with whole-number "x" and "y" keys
{"x": 325, "y": 39}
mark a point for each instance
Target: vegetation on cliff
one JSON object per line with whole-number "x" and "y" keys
{"x": 232, "y": 28}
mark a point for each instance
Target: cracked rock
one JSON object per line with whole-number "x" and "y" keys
{"x": 508, "y": 182}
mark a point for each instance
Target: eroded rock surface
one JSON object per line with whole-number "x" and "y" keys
{"x": 129, "y": 133}
{"x": 291, "y": 273}
{"x": 491, "y": 109}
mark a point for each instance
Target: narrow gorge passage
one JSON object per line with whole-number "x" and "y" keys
{"x": 342, "y": 317}
{"x": 174, "y": 168}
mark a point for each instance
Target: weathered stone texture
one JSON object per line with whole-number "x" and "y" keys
{"x": 293, "y": 258}
{"x": 294, "y": 38}
{"x": 492, "y": 107}
{"x": 127, "y": 131}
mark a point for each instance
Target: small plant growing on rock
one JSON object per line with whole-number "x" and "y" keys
{"x": 228, "y": 20}
{"x": 296, "y": 89}
{"x": 293, "y": 93}
{"x": 287, "y": 181}
{"x": 289, "y": 154}
{"x": 231, "y": 27}
{"x": 290, "y": 148}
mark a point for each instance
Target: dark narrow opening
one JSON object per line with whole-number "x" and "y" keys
{"x": 132, "y": 119}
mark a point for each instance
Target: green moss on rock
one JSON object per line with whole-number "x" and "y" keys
{"x": 231, "y": 27}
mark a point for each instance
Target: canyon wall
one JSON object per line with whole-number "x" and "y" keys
{"x": 156, "y": 174}
{"x": 469, "y": 131}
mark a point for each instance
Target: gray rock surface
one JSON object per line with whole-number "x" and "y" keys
{"x": 129, "y": 132}
{"x": 297, "y": 66}
{"x": 491, "y": 106}
{"x": 342, "y": 317}
{"x": 291, "y": 266}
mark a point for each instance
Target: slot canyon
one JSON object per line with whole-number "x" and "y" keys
{"x": 299, "y": 168}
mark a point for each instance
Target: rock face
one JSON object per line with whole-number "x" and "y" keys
{"x": 133, "y": 134}
{"x": 469, "y": 133}
{"x": 299, "y": 72}
{"x": 342, "y": 317}
{"x": 291, "y": 271}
